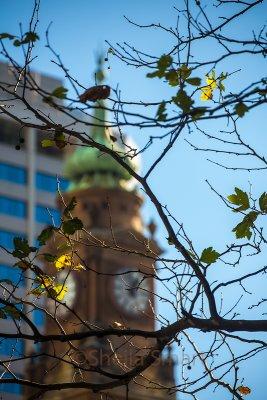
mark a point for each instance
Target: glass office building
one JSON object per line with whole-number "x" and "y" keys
{"x": 29, "y": 179}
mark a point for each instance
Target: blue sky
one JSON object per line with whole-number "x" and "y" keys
{"x": 78, "y": 31}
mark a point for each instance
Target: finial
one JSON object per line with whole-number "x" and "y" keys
{"x": 100, "y": 73}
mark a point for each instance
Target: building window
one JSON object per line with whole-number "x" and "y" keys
{"x": 14, "y": 274}
{"x": 9, "y": 132}
{"x": 16, "y": 208}
{"x": 46, "y": 215}
{"x": 6, "y": 238}
{"x": 10, "y": 387}
{"x": 49, "y": 183}
{"x": 13, "y": 174}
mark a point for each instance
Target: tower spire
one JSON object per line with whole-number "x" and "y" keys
{"x": 98, "y": 133}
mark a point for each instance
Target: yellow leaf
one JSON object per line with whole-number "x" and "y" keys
{"x": 63, "y": 261}
{"x": 58, "y": 291}
{"x": 206, "y": 93}
{"x": 48, "y": 143}
{"x": 244, "y": 390}
{"x": 211, "y": 81}
{"x": 45, "y": 280}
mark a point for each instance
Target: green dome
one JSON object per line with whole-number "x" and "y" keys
{"x": 89, "y": 167}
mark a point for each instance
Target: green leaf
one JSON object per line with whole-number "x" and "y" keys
{"x": 6, "y": 36}
{"x": 45, "y": 235}
{"x": 241, "y": 109}
{"x": 243, "y": 229}
{"x": 70, "y": 207}
{"x": 22, "y": 248}
{"x": 153, "y": 74}
{"x": 161, "y": 113}
{"x": 49, "y": 257}
{"x": 172, "y": 77}
{"x": 48, "y": 143}
{"x": 11, "y": 311}
{"x": 194, "y": 81}
{"x": 71, "y": 226}
{"x": 197, "y": 112}
{"x": 30, "y": 37}
{"x": 209, "y": 255}
{"x": 60, "y": 92}
{"x": 184, "y": 72}
{"x": 17, "y": 43}
{"x": 60, "y": 140}
{"x": 263, "y": 202}
{"x": 183, "y": 101}
{"x": 240, "y": 199}
{"x": 164, "y": 62}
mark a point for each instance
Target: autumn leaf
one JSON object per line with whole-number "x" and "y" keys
{"x": 64, "y": 261}
{"x": 244, "y": 390}
{"x": 206, "y": 93}
{"x": 95, "y": 93}
{"x": 212, "y": 84}
{"x": 58, "y": 291}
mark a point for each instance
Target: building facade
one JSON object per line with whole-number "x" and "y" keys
{"x": 29, "y": 178}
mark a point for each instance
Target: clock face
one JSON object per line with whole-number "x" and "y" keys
{"x": 65, "y": 278}
{"x": 131, "y": 291}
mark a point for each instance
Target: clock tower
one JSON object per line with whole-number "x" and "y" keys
{"x": 117, "y": 289}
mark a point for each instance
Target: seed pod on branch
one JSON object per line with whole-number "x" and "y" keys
{"x": 95, "y": 93}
